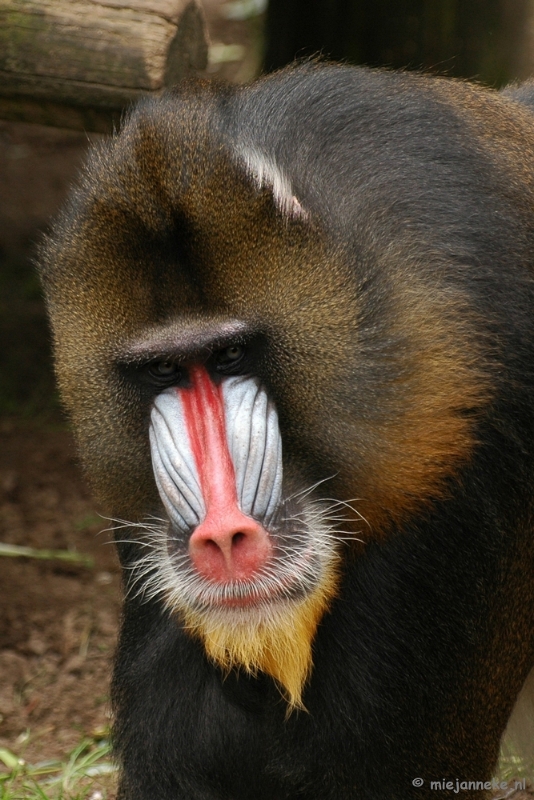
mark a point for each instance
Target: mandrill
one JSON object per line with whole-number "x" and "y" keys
{"x": 294, "y": 330}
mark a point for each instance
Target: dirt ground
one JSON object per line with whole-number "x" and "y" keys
{"x": 58, "y": 620}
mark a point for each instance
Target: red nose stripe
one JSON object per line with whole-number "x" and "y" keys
{"x": 204, "y": 414}
{"x": 227, "y": 545}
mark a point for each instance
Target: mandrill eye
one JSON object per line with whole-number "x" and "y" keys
{"x": 164, "y": 371}
{"x": 230, "y": 356}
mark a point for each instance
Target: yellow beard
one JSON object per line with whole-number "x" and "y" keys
{"x": 278, "y": 641}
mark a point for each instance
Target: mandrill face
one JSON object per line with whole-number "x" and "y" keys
{"x": 249, "y": 568}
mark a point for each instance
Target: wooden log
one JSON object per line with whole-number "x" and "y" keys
{"x": 80, "y": 63}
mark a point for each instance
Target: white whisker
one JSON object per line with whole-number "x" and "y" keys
{"x": 304, "y": 547}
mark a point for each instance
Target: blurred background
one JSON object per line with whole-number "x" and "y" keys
{"x": 58, "y": 619}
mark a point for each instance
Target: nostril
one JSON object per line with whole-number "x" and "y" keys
{"x": 229, "y": 547}
{"x": 235, "y": 541}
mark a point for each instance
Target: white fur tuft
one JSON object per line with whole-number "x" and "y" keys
{"x": 266, "y": 174}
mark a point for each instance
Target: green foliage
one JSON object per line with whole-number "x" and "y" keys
{"x": 18, "y": 551}
{"x": 87, "y": 774}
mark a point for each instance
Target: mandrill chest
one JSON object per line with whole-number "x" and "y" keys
{"x": 244, "y": 566}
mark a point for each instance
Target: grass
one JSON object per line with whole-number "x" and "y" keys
{"x": 512, "y": 767}
{"x": 86, "y": 774}
{"x": 16, "y": 551}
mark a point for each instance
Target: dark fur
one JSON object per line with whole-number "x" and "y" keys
{"x": 522, "y": 93}
{"x": 420, "y": 195}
